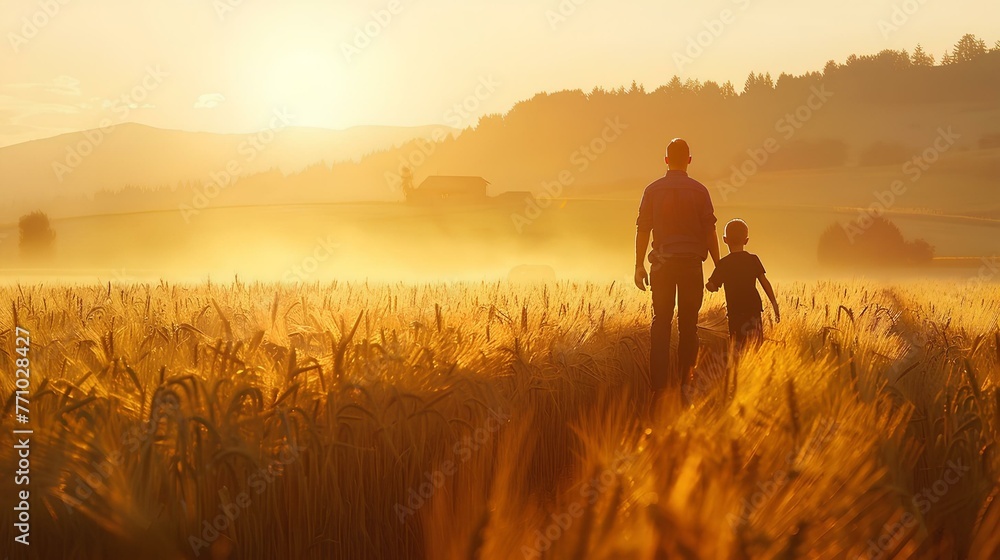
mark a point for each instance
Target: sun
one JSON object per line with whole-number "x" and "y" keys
{"x": 307, "y": 83}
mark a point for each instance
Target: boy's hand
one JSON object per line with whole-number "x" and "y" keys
{"x": 641, "y": 277}
{"x": 711, "y": 287}
{"x": 777, "y": 315}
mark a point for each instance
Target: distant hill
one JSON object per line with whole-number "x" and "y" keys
{"x": 84, "y": 163}
{"x": 871, "y": 111}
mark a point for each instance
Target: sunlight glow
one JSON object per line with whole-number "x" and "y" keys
{"x": 301, "y": 80}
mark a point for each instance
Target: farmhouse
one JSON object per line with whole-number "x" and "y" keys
{"x": 449, "y": 189}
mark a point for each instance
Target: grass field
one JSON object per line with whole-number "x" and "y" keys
{"x": 497, "y": 422}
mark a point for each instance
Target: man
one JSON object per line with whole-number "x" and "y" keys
{"x": 678, "y": 211}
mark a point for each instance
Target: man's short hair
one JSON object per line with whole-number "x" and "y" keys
{"x": 737, "y": 231}
{"x": 678, "y": 151}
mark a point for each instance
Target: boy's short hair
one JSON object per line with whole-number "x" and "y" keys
{"x": 737, "y": 230}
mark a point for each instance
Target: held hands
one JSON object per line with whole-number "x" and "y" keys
{"x": 641, "y": 277}
{"x": 711, "y": 287}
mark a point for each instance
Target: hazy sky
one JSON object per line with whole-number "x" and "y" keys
{"x": 226, "y": 65}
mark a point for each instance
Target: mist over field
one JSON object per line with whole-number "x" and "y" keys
{"x": 386, "y": 242}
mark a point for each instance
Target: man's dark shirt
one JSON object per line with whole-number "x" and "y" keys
{"x": 738, "y": 273}
{"x": 680, "y": 214}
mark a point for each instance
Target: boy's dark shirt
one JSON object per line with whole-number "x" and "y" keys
{"x": 738, "y": 273}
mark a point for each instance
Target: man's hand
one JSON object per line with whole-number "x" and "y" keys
{"x": 777, "y": 315}
{"x": 641, "y": 277}
{"x": 711, "y": 287}
{"x": 713, "y": 245}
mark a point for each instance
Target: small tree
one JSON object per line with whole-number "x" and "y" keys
{"x": 675, "y": 85}
{"x": 406, "y": 175}
{"x": 758, "y": 83}
{"x": 729, "y": 91}
{"x": 710, "y": 89}
{"x": 37, "y": 238}
{"x": 921, "y": 58}
{"x": 969, "y": 48}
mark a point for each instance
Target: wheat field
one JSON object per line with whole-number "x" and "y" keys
{"x": 494, "y": 421}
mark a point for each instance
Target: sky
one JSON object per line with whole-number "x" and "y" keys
{"x": 229, "y": 65}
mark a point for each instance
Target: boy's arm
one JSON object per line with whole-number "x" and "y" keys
{"x": 715, "y": 280}
{"x": 769, "y": 290}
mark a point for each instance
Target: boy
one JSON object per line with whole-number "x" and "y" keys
{"x": 739, "y": 273}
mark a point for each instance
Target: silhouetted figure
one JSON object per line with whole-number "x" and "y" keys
{"x": 739, "y": 273}
{"x": 678, "y": 211}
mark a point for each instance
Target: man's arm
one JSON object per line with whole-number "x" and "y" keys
{"x": 769, "y": 290}
{"x": 708, "y": 221}
{"x": 643, "y": 227}
{"x": 641, "y": 244}
{"x": 713, "y": 245}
